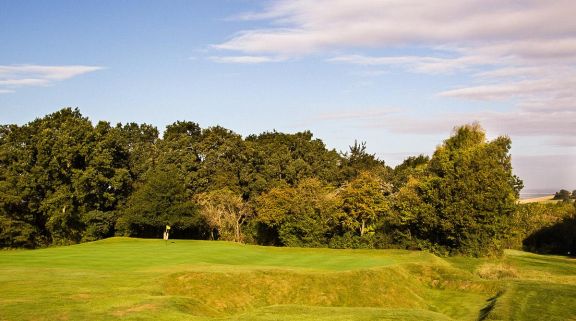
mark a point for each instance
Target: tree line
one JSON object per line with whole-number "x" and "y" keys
{"x": 65, "y": 180}
{"x": 565, "y": 195}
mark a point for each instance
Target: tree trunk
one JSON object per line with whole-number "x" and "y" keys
{"x": 362, "y": 228}
{"x": 237, "y": 231}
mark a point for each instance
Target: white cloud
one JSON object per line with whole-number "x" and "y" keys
{"x": 559, "y": 125}
{"x": 362, "y": 114}
{"x": 521, "y": 52}
{"x": 24, "y": 82}
{"x": 419, "y": 64}
{"x": 16, "y": 76}
{"x": 311, "y": 25}
{"x": 512, "y": 123}
{"x": 503, "y": 91}
{"x": 244, "y": 59}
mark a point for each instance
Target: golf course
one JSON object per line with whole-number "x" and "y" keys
{"x": 149, "y": 279}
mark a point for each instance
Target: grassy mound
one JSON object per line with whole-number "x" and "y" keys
{"x": 136, "y": 279}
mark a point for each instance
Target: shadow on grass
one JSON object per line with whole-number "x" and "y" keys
{"x": 485, "y": 311}
{"x": 559, "y": 238}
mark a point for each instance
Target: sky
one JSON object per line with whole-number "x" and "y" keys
{"x": 396, "y": 74}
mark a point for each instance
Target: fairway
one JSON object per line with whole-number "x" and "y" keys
{"x": 541, "y": 199}
{"x": 143, "y": 279}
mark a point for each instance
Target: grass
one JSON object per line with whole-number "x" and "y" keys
{"x": 137, "y": 279}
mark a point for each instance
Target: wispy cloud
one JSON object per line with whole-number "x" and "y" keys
{"x": 418, "y": 64}
{"x": 517, "y": 123}
{"x": 245, "y": 59}
{"x": 522, "y": 52}
{"x": 362, "y": 114}
{"x": 311, "y": 25}
{"x": 16, "y": 76}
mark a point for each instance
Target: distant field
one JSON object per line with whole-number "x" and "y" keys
{"x": 137, "y": 279}
{"x": 539, "y": 199}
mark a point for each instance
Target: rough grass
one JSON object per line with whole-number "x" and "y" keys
{"x": 497, "y": 271}
{"x": 136, "y": 279}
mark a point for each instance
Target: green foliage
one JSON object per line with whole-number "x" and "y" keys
{"x": 559, "y": 238}
{"x": 358, "y": 160}
{"x": 17, "y": 233}
{"x": 98, "y": 224}
{"x": 467, "y": 196}
{"x": 411, "y": 167}
{"x": 64, "y": 180}
{"x": 546, "y": 228}
{"x": 161, "y": 200}
{"x": 301, "y": 216}
{"x": 181, "y": 129}
{"x": 532, "y": 217}
{"x": 276, "y": 159}
{"x": 364, "y": 202}
{"x": 221, "y": 155}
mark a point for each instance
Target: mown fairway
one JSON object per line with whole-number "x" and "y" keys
{"x": 138, "y": 279}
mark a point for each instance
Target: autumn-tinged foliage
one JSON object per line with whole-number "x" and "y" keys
{"x": 304, "y": 215}
{"x": 64, "y": 180}
{"x": 225, "y": 213}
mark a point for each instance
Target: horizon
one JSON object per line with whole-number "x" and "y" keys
{"x": 398, "y": 75}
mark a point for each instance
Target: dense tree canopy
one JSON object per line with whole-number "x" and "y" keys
{"x": 472, "y": 191}
{"x": 64, "y": 180}
{"x": 302, "y": 215}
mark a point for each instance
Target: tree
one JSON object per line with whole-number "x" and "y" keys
{"x": 529, "y": 218}
{"x": 364, "y": 200}
{"x": 472, "y": 191}
{"x": 562, "y": 195}
{"x": 225, "y": 212}
{"x": 221, "y": 153}
{"x": 41, "y": 160}
{"x": 20, "y": 223}
{"x": 276, "y": 158}
{"x": 182, "y": 128}
{"x": 140, "y": 142}
{"x": 411, "y": 167}
{"x": 357, "y": 160}
{"x": 413, "y": 221}
{"x": 160, "y": 200}
{"x": 305, "y": 215}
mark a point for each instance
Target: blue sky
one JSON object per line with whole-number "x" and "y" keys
{"x": 398, "y": 75}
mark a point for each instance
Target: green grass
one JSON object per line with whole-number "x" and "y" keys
{"x": 137, "y": 279}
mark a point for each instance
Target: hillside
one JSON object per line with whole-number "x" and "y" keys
{"x": 123, "y": 278}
